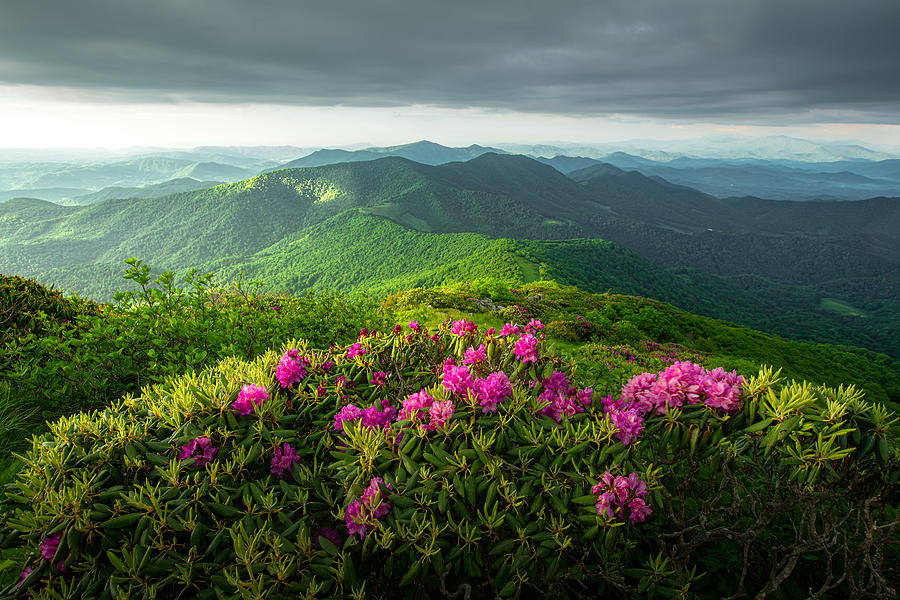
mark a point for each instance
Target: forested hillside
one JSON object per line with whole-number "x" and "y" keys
{"x": 824, "y": 272}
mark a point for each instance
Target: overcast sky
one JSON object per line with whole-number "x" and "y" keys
{"x": 191, "y": 72}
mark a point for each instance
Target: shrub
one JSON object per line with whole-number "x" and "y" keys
{"x": 455, "y": 462}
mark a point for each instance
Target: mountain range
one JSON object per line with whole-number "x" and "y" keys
{"x": 824, "y": 271}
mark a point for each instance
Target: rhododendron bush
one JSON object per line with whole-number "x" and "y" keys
{"x": 453, "y": 462}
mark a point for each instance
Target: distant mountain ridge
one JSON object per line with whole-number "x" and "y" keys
{"x": 424, "y": 152}
{"x": 795, "y": 257}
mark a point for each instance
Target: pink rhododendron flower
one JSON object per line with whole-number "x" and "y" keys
{"x": 283, "y": 459}
{"x": 509, "y": 329}
{"x": 398, "y": 329}
{"x": 625, "y": 417}
{"x": 418, "y": 402}
{"x": 355, "y": 350}
{"x": 492, "y": 391}
{"x": 533, "y": 326}
{"x": 684, "y": 383}
{"x": 638, "y": 391}
{"x": 291, "y": 368}
{"x": 24, "y": 575}
{"x": 462, "y": 327}
{"x": 457, "y": 379}
{"x": 561, "y": 399}
{"x": 414, "y": 325}
{"x": 620, "y": 497}
{"x": 249, "y": 399}
{"x": 373, "y": 417}
{"x": 526, "y": 349}
{"x": 475, "y": 356}
{"x": 50, "y": 545}
{"x": 364, "y": 511}
{"x": 722, "y": 390}
{"x": 200, "y": 449}
{"x": 441, "y": 413}
{"x": 379, "y": 378}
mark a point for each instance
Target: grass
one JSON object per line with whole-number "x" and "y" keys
{"x": 842, "y": 308}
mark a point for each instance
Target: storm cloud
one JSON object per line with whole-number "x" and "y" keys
{"x": 761, "y": 60}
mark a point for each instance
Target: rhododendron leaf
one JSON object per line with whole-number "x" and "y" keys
{"x": 758, "y": 426}
{"x": 328, "y": 546}
{"x": 585, "y": 500}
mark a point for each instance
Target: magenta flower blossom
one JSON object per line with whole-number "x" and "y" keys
{"x": 620, "y": 497}
{"x": 327, "y": 366}
{"x": 534, "y": 325}
{"x": 418, "y": 402}
{"x": 638, "y": 391}
{"x": 24, "y": 575}
{"x": 492, "y": 391}
{"x": 249, "y": 399}
{"x": 398, "y": 329}
{"x": 722, "y": 389}
{"x": 363, "y": 512}
{"x": 355, "y": 350}
{"x": 291, "y": 368}
{"x": 561, "y": 399}
{"x": 684, "y": 383}
{"x": 509, "y": 329}
{"x": 340, "y": 381}
{"x": 526, "y": 349}
{"x": 462, "y": 327}
{"x": 373, "y": 417}
{"x": 200, "y": 449}
{"x": 351, "y": 412}
{"x": 379, "y": 378}
{"x": 50, "y": 545}
{"x": 475, "y": 356}
{"x": 457, "y": 379}
{"x": 321, "y": 390}
{"x": 625, "y": 417}
{"x": 414, "y": 325}
{"x": 441, "y": 413}
{"x": 283, "y": 459}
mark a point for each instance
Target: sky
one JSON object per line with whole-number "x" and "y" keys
{"x": 182, "y": 73}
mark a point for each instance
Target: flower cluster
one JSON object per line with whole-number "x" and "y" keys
{"x": 291, "y": 368}
{"x": 462, "y": 328}
{"x": 284, "y": 457}
{"x": 562, "y": 399}
{"x": 626, "y": 417}
{"x": 362, "y": 512}
{"x": 379, "y": 378}
{"x": 533, "y": 326}
{"x": 475, "y": 356}
{"x": 509, "y": 329}
{"x": 200, "y": 449}
{"x": 456, "y": 379}
{"x": 355, "y": 350}
{"x": 250, "y": 398}
{"x": 373, "y": 417}
{"x": 488, "y": 392}
{"x": 684, "y": 383}
{"x": 420, "y": 404}
{"x": 619, "y": 497}
{"x": 526, "y": 348}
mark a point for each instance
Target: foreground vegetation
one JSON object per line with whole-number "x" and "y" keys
{"x": 431, "y": 458}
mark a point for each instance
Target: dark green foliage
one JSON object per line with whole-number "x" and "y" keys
{"x": 647, "y": 329}
{"x": 64, "y": 355}
{"x": 496, "y": 504}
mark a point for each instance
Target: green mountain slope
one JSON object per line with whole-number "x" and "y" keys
{"x": 282, "y": 225}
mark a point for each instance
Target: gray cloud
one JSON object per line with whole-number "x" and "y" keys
{"x": 762, "y": 60}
